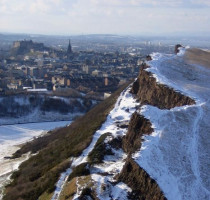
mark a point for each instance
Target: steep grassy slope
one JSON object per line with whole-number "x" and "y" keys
{"x": 40, "y": 173}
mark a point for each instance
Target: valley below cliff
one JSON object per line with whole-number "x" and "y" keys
{"x": 150, "y": 140}
{"x": 34, "y": 107}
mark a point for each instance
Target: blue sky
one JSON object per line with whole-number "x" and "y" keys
{"x": 135, "y": 17}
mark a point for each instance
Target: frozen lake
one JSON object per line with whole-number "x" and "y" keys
{"x": 11, "y": 136}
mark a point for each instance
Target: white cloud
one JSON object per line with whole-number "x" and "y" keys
{"x": 200, "y": 2}
{"x": 39, "y": 6}
{"x": 156, "y": 3}
{"x": 35, "y": 6}
{"x": 103, "y": 16}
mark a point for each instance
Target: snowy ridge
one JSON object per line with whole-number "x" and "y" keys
{"x": 167, "y": 59}
{"x": 124, "y": 108}
{"x": 176, "y": 153}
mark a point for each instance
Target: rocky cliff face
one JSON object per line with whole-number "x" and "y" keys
{"x": 138, "y": 126}
{"x": 147, "y": 91}
{"x": 143, "y": 187}
{"x": 150, "y": 92}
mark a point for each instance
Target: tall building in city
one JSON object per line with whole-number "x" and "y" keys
{"x": 69, "y": 50}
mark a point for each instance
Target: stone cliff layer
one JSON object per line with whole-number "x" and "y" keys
{"x": 143, "y": 187}
{"x": 138, "y": 126}
{"x": 150, "y": 92}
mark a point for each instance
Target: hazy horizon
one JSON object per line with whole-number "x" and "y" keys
{"x": 120, "y": 17}
{"x": 118, "y": 34}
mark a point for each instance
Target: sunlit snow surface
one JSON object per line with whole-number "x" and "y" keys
{"x": 177, "y": 154}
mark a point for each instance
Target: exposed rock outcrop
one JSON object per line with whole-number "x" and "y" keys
{"x": 143, "y": 187}
{"x": 148, "y": 58}
{"x": 138, "y": 126}
{"x": 176, "y": 50}
{"x": 150, "y": 92}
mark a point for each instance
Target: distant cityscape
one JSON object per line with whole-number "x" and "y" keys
{"x": 92, "y": 65}
{"x": 34, "y": 67}
{"x": 29, "y": 66}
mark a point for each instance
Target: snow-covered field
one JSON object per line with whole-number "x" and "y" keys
{"x": 11, "y": 136}
{"x": 177, "y": 153}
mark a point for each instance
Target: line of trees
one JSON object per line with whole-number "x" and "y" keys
{"x": 13, "y": 107}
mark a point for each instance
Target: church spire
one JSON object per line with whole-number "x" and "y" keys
{"x": 69, "y": 50}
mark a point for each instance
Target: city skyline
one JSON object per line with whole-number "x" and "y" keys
{"x": 134, "y": 17}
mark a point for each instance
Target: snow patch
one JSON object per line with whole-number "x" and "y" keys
{"x": 106, "y": 191}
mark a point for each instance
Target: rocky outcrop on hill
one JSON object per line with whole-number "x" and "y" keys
{"x": 176, "y": 50}
{"x": 148, "y": 58}
{"x": 150, "y": 92}
{"x": 138, "y": 126}
{"x": 143, "y": 187}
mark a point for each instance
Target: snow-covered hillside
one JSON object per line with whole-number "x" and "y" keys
{"x": 177, "y": 153}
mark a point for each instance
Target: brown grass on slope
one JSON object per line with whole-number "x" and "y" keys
{"x": 198, "y": 56}
{"x": 39, "y": 173}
